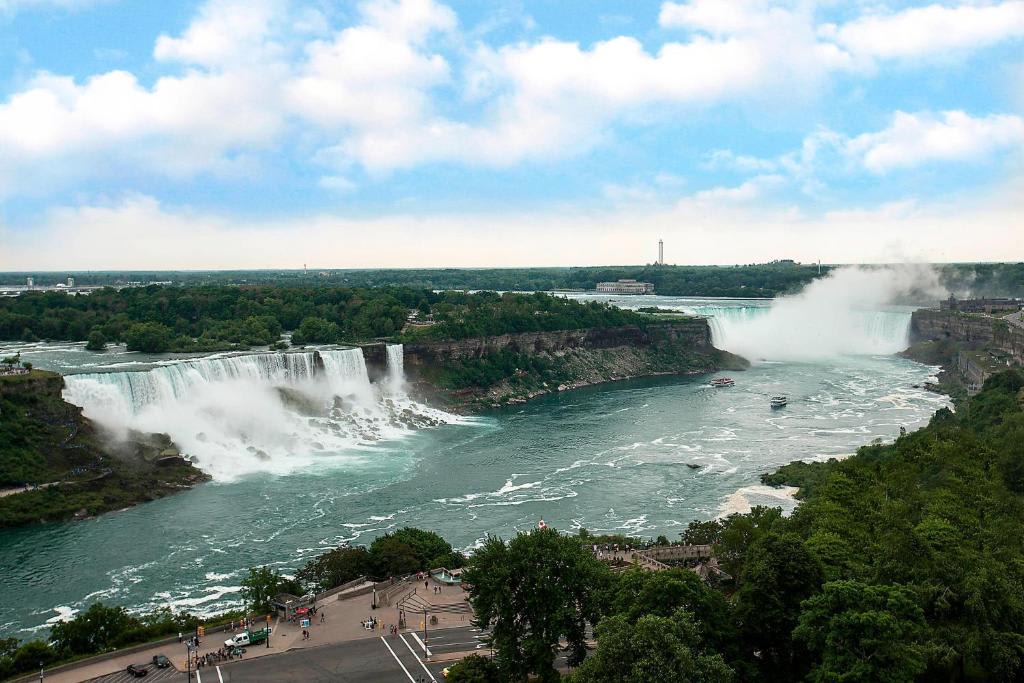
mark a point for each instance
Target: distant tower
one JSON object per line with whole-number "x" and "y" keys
{"x": 304, "y": 270}
{"x": 661, "y": 252}
{"x": 30, "y": 281}
{"x": 71, "y": 281}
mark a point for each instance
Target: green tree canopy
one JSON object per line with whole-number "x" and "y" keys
{"x": 532, "y": 592}
{"x": 859, "y": 633}
{"x": 654, "y": 648}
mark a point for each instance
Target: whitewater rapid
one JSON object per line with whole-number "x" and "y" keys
{"x": 262, "y": 412}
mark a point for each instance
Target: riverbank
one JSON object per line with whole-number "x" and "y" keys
{"x": 55, "y": 465}
{"x": 488, "y": 372}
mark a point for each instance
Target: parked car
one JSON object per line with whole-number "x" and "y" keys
{"x": 161, "y": 662}
{"x": 137, "y": 670}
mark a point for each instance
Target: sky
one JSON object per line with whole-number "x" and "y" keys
{"x": 229, "y": 134}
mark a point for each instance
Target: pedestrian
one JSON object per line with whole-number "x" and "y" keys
{"x": 180, "y": 636}
{"x": 426, "y": 584}
{"x": 322, "y": 618}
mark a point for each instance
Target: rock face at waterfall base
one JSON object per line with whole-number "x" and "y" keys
{"x": 56, "y": 465}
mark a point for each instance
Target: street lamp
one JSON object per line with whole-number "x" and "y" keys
{"x": 40, "y": 670}
{"x": 188, "y": 660}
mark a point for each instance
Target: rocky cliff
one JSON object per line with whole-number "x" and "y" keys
{"x": 969, "y": 346}
{"x": 489, "y": 371}
{"x": 973, "y": 331}
{"x": 54, "y": 465}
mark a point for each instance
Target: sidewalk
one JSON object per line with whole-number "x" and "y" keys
{"x": 342, "y": 622}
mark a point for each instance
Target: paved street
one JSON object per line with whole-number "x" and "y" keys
{"x": 386, "y": 658}
{"x": 155, "y": 674}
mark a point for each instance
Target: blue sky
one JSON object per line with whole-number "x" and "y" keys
{"x": 272, "y": 133}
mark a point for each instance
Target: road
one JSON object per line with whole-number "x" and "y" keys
{"x": 386, "y": 659}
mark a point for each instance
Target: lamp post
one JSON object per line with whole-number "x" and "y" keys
{"x": 268, "y": 631}
{"x": 188, "y": 660}
{"x": 40, "y": 671}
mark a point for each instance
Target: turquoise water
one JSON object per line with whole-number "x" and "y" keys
{"x": 639, "y": 457}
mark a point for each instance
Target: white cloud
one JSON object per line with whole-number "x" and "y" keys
{"x": 139, "y": 233}
{"x": 248, "y": 75}
{"x": 224, "y": 32}
{"x": 914, "y": 139}
{"x": 932, "y": 30}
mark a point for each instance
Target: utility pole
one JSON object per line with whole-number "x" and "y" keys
{"x": 426, "y": 650}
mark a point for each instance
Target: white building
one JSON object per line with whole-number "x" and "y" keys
{"x": 625, "y": 287}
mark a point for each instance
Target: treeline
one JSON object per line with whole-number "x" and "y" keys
{"x": 101, "y": 628}
{"x": 904, "y": 562}
{"x": 753, "y": 280}
{"x": 157, "y": 319}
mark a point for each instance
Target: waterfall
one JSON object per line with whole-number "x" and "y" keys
{"x": 396, "y": 367}
{"x": 796, "y": 333}
{"x": 126, "y": 393}
{"x": 345, "y": 371}
{"x": 266, "y": 412}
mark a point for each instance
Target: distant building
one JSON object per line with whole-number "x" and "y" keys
{"x": 980, "y": 305}
{"x": 30, "y": 282}
{"x": 661, "y": 252}
{"x": 625, "y": 287}
{"x": 71, "y": 281}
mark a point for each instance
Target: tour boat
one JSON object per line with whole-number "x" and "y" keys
{"x": 778, "y": 401}
{"x": 722, "y": 382}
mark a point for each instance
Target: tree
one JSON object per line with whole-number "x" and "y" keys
{"x": 532, "y": 592}
{"x": 863, "y": 633}
{"x": 637, "y": 593}
{"x": 431, "y": 550}
{"x": 260, "y": 587}
{"x": 149, "y": 337}
{"x": 474, "y": 669}
{"x": 314, "y": 330}
{"x": 390, "y": 556}
{"x": 655, "y": 648}
{"x": 97, "y": 629}
{"x": 97, "y": 340}
{"x": 779, "y": 574}
{"x": 335, "y": 567}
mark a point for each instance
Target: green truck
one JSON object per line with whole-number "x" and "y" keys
{"x": 248, "y": 637}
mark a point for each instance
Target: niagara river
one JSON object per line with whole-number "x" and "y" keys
{"x": 304, "y": 460}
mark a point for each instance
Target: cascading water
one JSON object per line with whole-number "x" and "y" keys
{"x": 275, "y": 412}
{"x": 783, "y": 332}
{"x": 396, "y": 367}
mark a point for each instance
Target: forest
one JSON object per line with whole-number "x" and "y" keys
{"x": 748, "y": 280}
{"x": 159, "y": 319}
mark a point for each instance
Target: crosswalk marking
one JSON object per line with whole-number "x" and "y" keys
{"x": 221, "y": 678}
{"x": 416, "y": 657}
{"x": 420, "y": 643}
{"x": 409, "y": 675}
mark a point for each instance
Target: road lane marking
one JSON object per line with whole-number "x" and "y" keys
{"x": 198, "y": 677}
{"x": 409, "y": 675}
{"x": 219, "y": 676}
{"x": 420, "y": 643}
{"x": 416, "y": 657}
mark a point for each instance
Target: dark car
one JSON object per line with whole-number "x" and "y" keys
{"x": 137, "y": 670}
{"x": 161, "y": 662}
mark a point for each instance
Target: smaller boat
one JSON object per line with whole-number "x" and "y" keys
{"x": 778, "y": 401}
{"x": 720, "y": 382}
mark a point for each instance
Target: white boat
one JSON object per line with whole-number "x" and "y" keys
{"x": 778, "y": 401}
{"x": 720, "y": 382}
